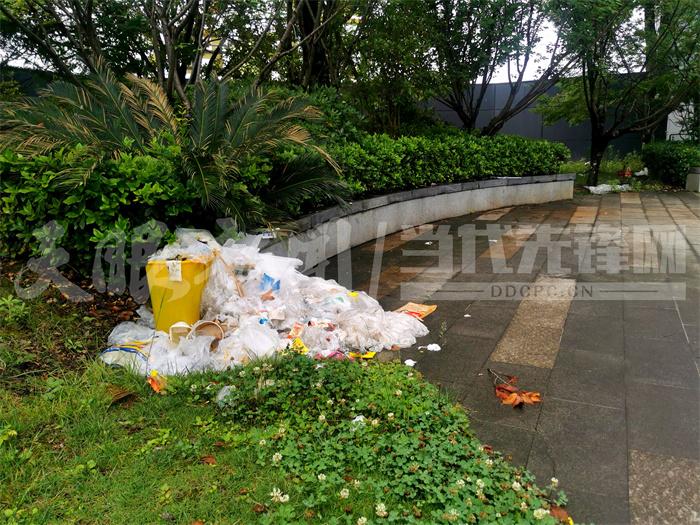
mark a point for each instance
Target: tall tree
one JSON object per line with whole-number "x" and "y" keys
{"x": 475, "y": 38}
{"x": 175, "y": 42}
{"x": 394, "y": 62}
{"x": 639, "y": 61}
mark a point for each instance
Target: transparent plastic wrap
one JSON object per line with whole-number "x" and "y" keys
{"x": 262, "y": 304}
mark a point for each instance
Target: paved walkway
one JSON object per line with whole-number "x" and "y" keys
{"x": 618, "y": 371}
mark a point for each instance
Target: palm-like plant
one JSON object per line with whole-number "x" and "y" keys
{"x": 109, "y": 117}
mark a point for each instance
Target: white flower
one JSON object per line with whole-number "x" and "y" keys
{"x": 344, "y": 494}
{"x": 489, "y": 462}
{"x": 278, "y": 496}
{"x": 523, "y": 506}
{"x": 356, "y": 483}
{"x": 276, "y": 457}
{"x": 460, "y": 483}
{"x": 480, "y": 483}
{"x": 375, "y": 422}
{"x": 398, "y": 393}
{"x": 269, "y": 382}
{"x": 516, "y": 486}
{"x": 262, "y": 442}
{"x": 256, "y": 369}
{"x": 452, "y": 513}
{"x": 329, "y": 402}
{"x": 319, "y": 384}
{"x": 498, "y": 514}
{"x": 409, "y": 375}
{"x": 390, "y": 416}
{"x": 241, "y": 373}
{"x": 361, "y": 520}
{"x": 322, "y": 477}
{"x": 555, "y": 482}
{"x": 322, "y": 418}
{"x": 380, "y": 510}
{"x": 540, "y": 513}
{"x": 282, "y": 430}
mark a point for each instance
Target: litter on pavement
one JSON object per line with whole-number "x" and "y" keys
{"x": 252, "y": 305}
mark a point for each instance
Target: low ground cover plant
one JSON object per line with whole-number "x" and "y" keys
{"x": 291, "y": 441}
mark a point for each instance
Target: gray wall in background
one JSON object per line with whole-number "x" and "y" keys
{"x": 530, "y": 124}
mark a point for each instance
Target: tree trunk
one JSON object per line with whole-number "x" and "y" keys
{"x": 599, "y": 144}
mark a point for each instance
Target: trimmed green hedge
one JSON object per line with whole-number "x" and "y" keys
{"x": 670, "y": 161}
{"x": 380, "y": 164}
{"x": 120, "y": 194}
{"x": 125, "y": 192}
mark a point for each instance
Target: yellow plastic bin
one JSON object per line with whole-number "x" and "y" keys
{"x": 176, "y": 290}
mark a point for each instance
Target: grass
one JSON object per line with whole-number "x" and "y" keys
{"x": 83, "y": 443}
{"x": 609, "y": 168}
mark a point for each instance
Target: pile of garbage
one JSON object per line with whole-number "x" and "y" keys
{"x": 603, "y": 189}
{"x": 256, "y": 304}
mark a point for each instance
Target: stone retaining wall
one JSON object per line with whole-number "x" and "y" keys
{"x": 329, "y": 232}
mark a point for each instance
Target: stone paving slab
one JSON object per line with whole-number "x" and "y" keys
{"x": 619, "y": 423}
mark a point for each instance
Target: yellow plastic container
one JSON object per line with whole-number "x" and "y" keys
{"x": 176, "y": 290}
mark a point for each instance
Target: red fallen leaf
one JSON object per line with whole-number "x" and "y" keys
{"x": 559, "y": 513}
{"x": 259, "y": 508}
{"x": 209, "y": 460}
{"x": 197, "y": 522}
{"x": 219, "y": 444}
{"x": 243, "y": 491}
{"x": 487, "y": 448}
{"x": 511, "y": 395}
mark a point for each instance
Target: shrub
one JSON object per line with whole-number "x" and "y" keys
{"x": 670, "y": 161}
{"x": 380, "y": 164}
{"x": 121, "y": 194}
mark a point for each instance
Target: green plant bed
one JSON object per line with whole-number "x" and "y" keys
{"x": 282, "y": 448}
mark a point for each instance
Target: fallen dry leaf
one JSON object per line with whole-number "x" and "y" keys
{"x": 509, "y": 394}
{"x": 209, "y": 460}
{"x": 559, "y": 513}
{"x": 197, "y": 522}
{"x": 119, "y": 394}
{"x": 259, "y": 508}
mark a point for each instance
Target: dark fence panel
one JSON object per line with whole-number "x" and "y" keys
{"x": 530, "y": 124}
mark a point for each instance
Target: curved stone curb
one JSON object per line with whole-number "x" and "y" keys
{"x": 329, "y": 232}
{"x": 692, "y": 183}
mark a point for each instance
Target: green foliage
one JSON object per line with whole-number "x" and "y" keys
{"x": 13, "y": 310}
{"x": 216, "y": 140}
{"x": 380, "y": 164}
{"x": 120, "y": 194}
{"x": 10, "y": 90}
{"x": 670, "y": 161}
{"x": 286, "y": 445}
{"x": 339, "y": 121}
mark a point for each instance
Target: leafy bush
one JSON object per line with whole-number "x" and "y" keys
{"x": 339, "y": 121}
{"x": 670, "y": 161}
{"x": 380, "y": 164}
{"x": 121, "y": 194}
